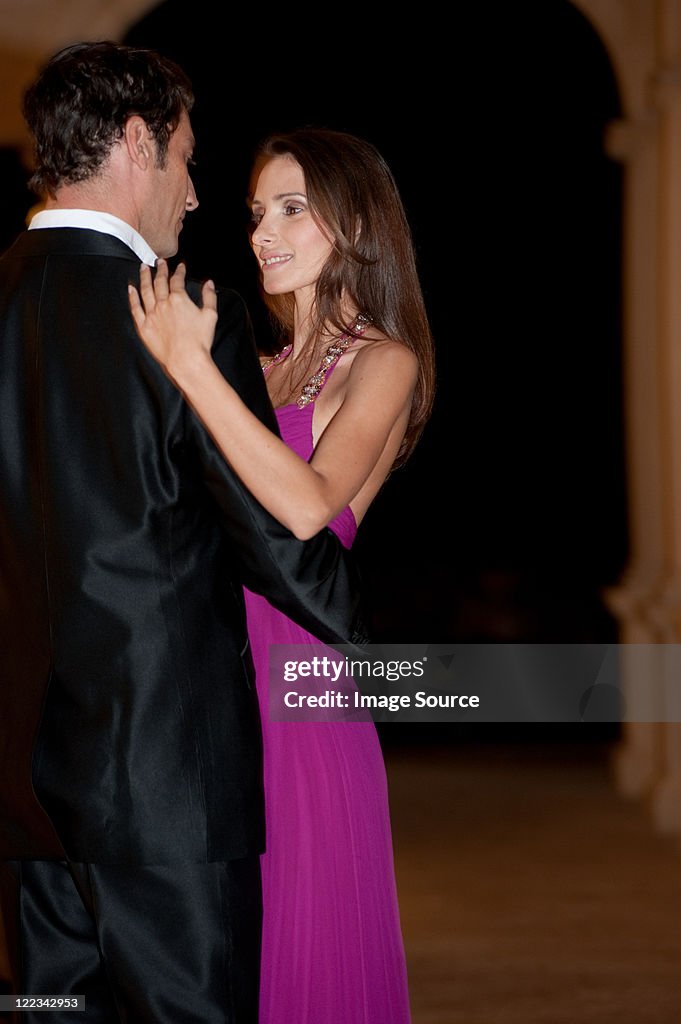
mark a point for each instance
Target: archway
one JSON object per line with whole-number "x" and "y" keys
{"x": 511, "y": 517}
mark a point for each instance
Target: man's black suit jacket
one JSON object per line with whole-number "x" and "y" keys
{"x": 128, "y": 719}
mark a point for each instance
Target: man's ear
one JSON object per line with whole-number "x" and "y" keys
{"x": 138, "y": 142}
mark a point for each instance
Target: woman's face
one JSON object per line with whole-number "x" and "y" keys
{"x": 290, "y": 246}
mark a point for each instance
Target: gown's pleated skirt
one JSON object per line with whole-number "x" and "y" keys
{"x": 332, "y": 946}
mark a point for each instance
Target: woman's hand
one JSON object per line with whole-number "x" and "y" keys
{"x": 176, "y": 331}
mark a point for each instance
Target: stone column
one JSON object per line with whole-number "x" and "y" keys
{"x": 665, "y": 608}
{"x": 638, "y": 761}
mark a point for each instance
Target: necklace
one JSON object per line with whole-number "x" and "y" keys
{"x": 276, "y": 359}
{"x": 331, "y": 356}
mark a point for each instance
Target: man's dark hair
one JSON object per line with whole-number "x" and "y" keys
{"x": 78, "y": 106}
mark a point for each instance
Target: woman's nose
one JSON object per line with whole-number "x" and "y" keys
{"x": 263, "y": 232}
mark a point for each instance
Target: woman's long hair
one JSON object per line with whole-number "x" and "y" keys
{"x": 354, "y": 197}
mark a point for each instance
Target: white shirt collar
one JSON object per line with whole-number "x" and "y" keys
{"x": 94, "y": 220}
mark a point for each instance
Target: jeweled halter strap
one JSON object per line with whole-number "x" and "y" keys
{"x": 330, "y": 357}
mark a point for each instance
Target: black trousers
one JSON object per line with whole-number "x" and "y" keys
{"x": 164, "y": 945}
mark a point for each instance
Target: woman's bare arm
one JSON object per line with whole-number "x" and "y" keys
{"x": 303, "y": 496}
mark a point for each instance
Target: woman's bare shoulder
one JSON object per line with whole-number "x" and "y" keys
{"x": 376, "y": 351}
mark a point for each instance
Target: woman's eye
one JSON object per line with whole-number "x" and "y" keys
{"x": 255, "y": 219}
{"x": 291, "y": 210}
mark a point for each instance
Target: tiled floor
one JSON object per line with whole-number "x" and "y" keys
{"x": 530, "y": 891}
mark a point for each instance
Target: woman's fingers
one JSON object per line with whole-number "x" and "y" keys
{"x": 151, "y": 290}
{"x": 160, "y": 284}
{"x": 161, "y": 287}
{"x": 146, "y": 289}
{"x": 169, "y": 322}
{"x": 209, "y": 296}
{"x": 177, "y": 280}
{"x": 135, "y": 306}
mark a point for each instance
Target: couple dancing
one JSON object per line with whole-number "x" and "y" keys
{"x": 160, "y": 503}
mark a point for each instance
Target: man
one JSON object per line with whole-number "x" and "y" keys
{"x": 130, "y": 789}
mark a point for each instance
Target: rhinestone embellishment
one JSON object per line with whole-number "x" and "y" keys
{"x": 333, "y": 353}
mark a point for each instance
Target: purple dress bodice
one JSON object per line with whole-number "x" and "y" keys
{"x": 295, "y": 425}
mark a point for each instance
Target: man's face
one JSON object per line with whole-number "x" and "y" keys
{"x": 171, "y": 193}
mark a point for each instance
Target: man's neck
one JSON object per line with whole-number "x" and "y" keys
{"x": 56, "y": 216}
{"x": 95, "y": 196}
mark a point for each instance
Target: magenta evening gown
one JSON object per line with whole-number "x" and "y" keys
{"x": 332, "y": 946}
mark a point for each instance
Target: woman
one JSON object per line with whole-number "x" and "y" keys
{"x": 352, "y": 388}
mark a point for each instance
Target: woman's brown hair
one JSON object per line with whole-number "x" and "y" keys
{"x": 353, "y": 195}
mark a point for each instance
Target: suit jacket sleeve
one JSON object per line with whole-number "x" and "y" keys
{"x": 315, "y": 582}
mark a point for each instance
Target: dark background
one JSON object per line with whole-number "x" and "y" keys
{"x": 510, "y": 519}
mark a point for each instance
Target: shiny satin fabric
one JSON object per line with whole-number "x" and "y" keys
{"x": 86, "y": 930}
{"x": 129, "y": 730}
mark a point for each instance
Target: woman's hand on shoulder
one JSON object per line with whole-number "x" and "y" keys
{"x": 177, "y": 332}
